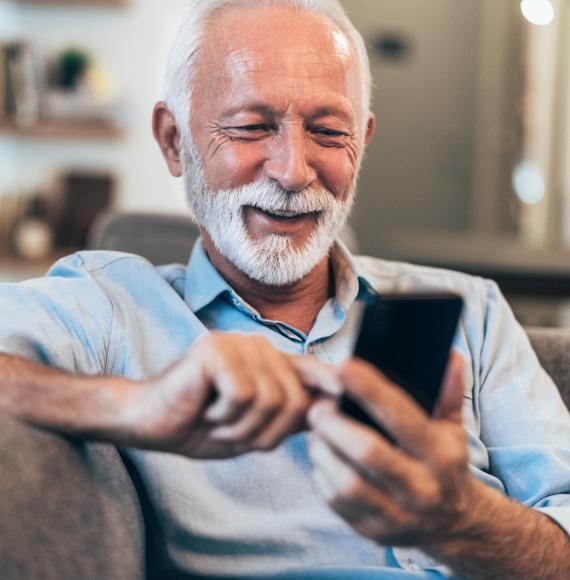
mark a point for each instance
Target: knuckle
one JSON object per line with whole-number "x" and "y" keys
{"x": 367, "y": 454}
{"x": 269, "y": 401}
{"x": 298, "y": 407}
{"x": 350, "y": 490}
{"x": 428, "y": 497}
{"x": 268, "y": 406}
{"x": 446, "y": 461}
{"x": 241, "y": 397}
{"x": 451, "y": 458}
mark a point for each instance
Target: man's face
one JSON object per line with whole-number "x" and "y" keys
{"x": 276, "y": 121}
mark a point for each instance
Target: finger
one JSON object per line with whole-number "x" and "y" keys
{"x": 293, "y": 373}
{"x": 260, "y": 357}
{"x": 450, "y": 403}
{"x": 370, "y": 454}
{"x": 316, "y": 374}
{"x": 291, "y": 416}
{"x": 345, "y": 490}
{"x": 230, "y": 378}
{"x": 390, "y": 405}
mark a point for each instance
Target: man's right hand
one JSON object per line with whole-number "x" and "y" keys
{"x": 230, "y": 394}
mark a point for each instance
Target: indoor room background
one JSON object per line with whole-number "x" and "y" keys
{"x": 469, "y": 169}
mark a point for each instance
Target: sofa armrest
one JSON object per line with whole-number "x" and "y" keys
{"x": 68, "y": 509}
{"x": 552, "y": 345}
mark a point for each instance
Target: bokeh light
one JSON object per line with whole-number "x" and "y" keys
{"x": 529, "y": 183}
{"x": 539, "y": 12}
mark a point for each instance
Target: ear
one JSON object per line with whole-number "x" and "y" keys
{"x": 167, "y": 135}
{"x": 370, "y": 128}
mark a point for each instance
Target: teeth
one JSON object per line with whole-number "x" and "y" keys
{"x": 285, "y": 214}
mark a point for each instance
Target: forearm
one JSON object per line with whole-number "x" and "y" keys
{"x": 72, "y": 404}
{"x": 504, "y": 539}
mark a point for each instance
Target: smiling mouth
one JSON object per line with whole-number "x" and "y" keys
{"x": 285, "y": 216}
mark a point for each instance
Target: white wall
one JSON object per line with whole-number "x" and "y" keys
{"x": 132, "y": 43}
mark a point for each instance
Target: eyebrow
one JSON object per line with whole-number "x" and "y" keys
{"x": 331, "y": 111}
{"x": 265, "y": 110}
{"x": 254, "y": 107}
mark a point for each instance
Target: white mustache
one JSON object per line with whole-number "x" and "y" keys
{"x": 271, "y": 197}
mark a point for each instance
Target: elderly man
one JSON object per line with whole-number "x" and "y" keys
{"x": 267, "y": 119}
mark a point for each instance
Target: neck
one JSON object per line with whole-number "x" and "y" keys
{"x": 297, "y": 305}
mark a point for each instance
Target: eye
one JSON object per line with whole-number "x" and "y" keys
{"x": 253, "y": 132}
{"x": 253, "y": 128}
{"x": 328, "y": 137}
{"x": 326, "y": 132}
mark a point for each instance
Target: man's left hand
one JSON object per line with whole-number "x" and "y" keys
{"x": 415, "y": 494}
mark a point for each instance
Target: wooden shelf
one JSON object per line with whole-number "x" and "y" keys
{"x": 77, "y": 3}
{"x": 65, "y": 130}
{"x": 13, "y": 269}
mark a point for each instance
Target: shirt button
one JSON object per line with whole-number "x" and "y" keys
{"x": 411, "y": 565}
{"x": 310, "y": 349}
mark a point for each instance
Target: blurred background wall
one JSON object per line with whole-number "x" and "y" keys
{"x": 470, "y": 167}
{"x": 128, "y": 43}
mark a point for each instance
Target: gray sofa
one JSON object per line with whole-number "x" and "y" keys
{"x": 69, "y": 509}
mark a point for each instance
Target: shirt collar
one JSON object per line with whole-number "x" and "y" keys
{"x": 204, "y": 283}
{"x": 349, "y": 285}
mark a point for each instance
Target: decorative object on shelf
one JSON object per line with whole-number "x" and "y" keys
{"x": 59, "y": 218}
{"x": 33, "y": 235}
{"x": 78, "y": 3}
{"x": 51, "y": 129}
{"x": 70, "y": 68}
{"x": 13, "y": 206}
{"x": 73, "y": 97}
{"x": 20, "y": 84}
{"x": 84, "y": 197}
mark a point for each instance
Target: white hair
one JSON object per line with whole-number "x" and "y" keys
{"x": 182, "y": 60}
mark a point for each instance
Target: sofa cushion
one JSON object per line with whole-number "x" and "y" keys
{"x": 68, "y": 509}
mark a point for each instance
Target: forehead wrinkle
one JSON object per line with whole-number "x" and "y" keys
{"x": 285, "y": 63}
{"x": 231, "y": 50}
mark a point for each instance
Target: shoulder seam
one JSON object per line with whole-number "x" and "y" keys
{"x": 108, "y": 346}
{"x": 110, "y": 262}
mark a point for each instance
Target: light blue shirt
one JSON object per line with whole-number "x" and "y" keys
{"x": 103, "y": 313}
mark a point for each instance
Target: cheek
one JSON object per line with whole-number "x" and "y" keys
{"x": 234, "y": 165}
{"x": 336, "y": 173}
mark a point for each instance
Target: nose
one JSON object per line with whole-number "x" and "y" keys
{"x": 288, "y": 163}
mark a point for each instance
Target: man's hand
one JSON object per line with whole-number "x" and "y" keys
{"x": 411, "y": 495}
{"x": 230, "y": 394}
{"x": 420, "y": 493}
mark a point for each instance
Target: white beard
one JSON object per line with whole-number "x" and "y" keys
{"x": 275, "y": 260}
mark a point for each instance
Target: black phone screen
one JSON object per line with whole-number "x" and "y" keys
{"x": 408, "y": 338}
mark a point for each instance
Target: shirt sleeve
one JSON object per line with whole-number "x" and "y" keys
{"x": 525, "y": 424}
{"x": 62, "y": 320}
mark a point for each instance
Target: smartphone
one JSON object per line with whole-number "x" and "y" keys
{"x": 408, "y": 337}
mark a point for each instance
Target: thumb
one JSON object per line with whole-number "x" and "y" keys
{"x": 450, "y": 403}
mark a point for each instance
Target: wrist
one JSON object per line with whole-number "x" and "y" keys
{"x": 475, "y": 522}
{"x": 119, "y": 403}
